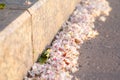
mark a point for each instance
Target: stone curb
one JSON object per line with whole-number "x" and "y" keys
{"x": 26, "y": 32}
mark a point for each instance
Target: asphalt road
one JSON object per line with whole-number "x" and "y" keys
{"x": 100, "y": 57}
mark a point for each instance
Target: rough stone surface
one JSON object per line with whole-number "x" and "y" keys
{"x": 22, "y": 31}
{"x": 52, "y": 15}
{"x": 15, "y": 49}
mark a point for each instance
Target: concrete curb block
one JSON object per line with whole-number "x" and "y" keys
{"x": 30, "y": 31}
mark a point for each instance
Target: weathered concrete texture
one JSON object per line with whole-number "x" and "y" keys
{"x": 52, "y": 15}
{"x": 22, "y": 30}
{"x": 16, "y": 49}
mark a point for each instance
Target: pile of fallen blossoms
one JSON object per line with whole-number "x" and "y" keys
{"x": 64, "y": 49}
